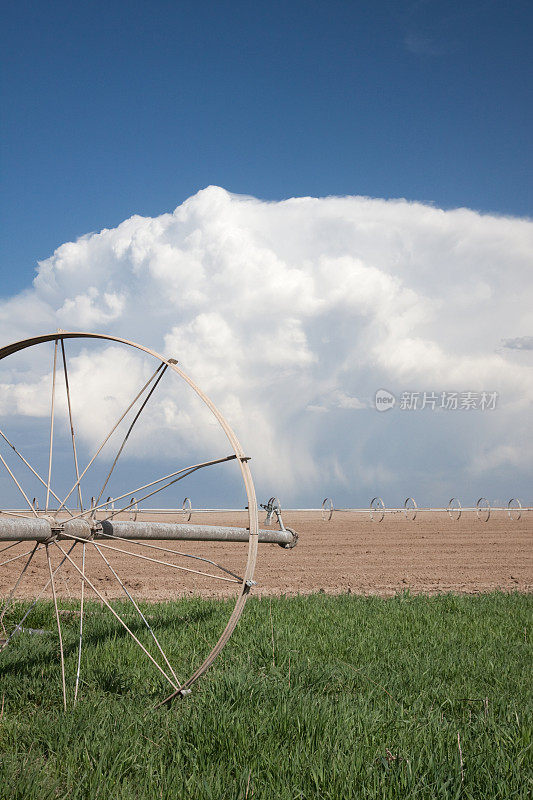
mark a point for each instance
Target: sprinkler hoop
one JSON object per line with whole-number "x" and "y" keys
{"x": 377, "y": 509}
{"x": 483, "y": 509}
{"x": 410, "y": 510}
{"x": 186, "y": 508}
{"x": 327, "y": 509}
{"x": 454, "y": 511}
{"x": 514, "y": 512}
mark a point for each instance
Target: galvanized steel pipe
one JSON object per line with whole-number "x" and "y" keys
{"x": 195, "y": 533}
{"x": 43, "y": 528}
{"x": 24, "y": 530}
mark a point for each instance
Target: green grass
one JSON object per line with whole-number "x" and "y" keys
{"x": 314, "y": 697}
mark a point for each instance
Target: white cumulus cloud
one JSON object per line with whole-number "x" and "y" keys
{"x": 280, "y": 310}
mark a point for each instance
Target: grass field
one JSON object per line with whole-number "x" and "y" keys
{"x": 314, "y": 697}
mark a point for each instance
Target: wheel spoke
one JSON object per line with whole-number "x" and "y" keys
{"x": 43, "y": 590}
{"x": 15, "y": 587}
{"x": 9, "y": 545}
{"x": 135, "y": 502}
{"x": 169, "y": 550}
{"x": 137, "y": 415}
{"x": 71, "y": 424}
{"x": 58, "y": 628}
{"x": 139, "y": 612}
{"x": 52, "y": 414}
{"x": 106, "y": 603}
{"x": 15, "y": 514}
{"x": 78, "y": 669}
{"x": 27, "y": 499}
{"x": 12, "y": 446}
{"x": 158, "y": 561}
{"x": 183, "y": 473}
{"x": 111, "y": 432}
{"x": 21, "y": 555}
{"x": 224, "y": 638}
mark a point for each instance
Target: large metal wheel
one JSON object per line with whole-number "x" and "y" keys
{"x": 410, "y": 508}
{"x": 79, "y": 516}
{"x": 514, "y": 509}
{"x": 454, "y": 509}
{"x": 187, "y": 509}
{"x": 377, "y": 509}
{"x": 327, "y": 509}
{"x": 483, "y": 509}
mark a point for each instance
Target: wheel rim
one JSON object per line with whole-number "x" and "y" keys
{"x": 514, "y": 509}
{"x": 327, "y": 509}
{"x": 377, "y": 509}
{"x": 187, "y": 508}
{"x": 411, "y": 508}
{"x": 100, "y": 505}
{"x": 483, "y": 509}
{"x": 454, "y": 509}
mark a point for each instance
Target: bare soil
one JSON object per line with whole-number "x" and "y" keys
{"x": 350, "y": 553}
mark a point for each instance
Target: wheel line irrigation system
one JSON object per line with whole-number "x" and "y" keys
{"x": 375, "y": 511}
{"x": 90, "y": 527}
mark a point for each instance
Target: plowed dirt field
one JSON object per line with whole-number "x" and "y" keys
{"x": 350, "y": 553}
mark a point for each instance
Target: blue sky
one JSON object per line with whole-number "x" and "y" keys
{"x": 111, "y": 109}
